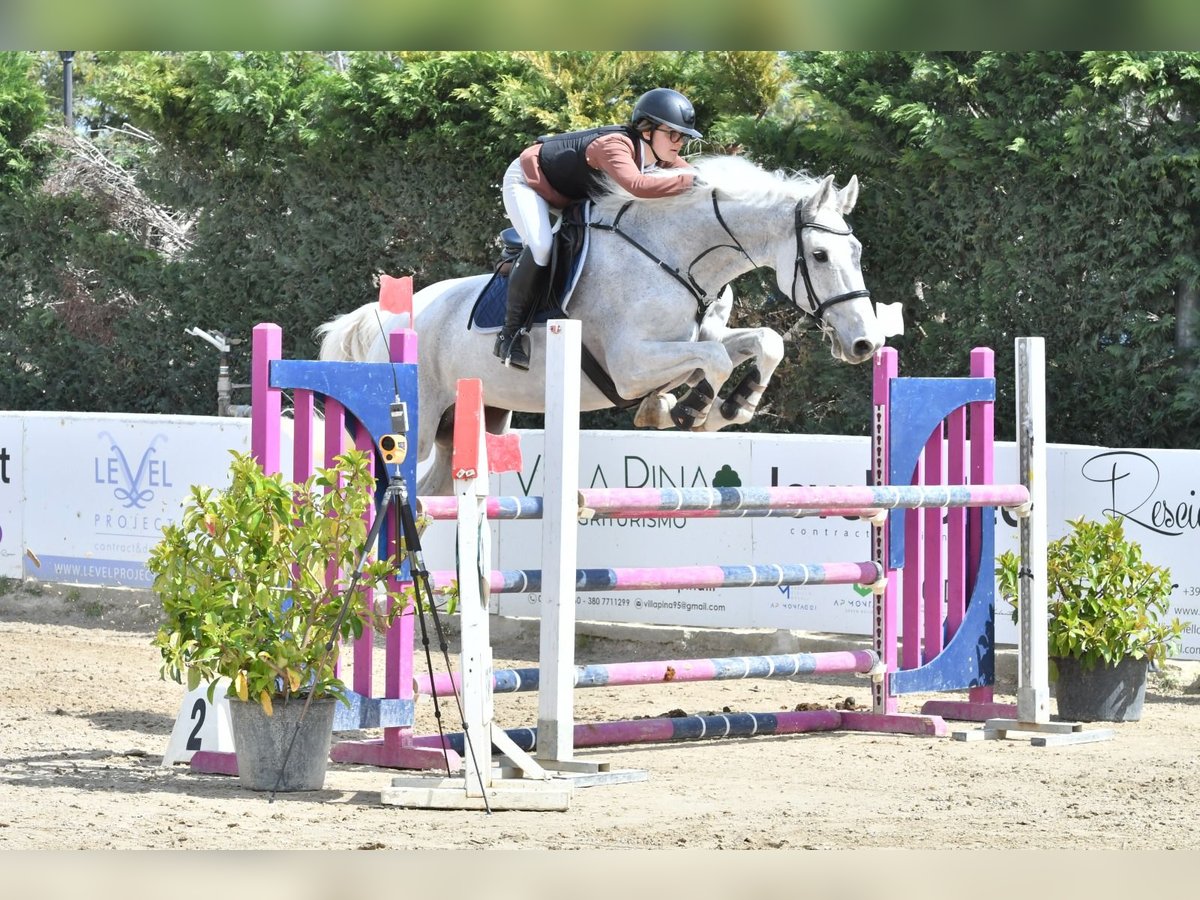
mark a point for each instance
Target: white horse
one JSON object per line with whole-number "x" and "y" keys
{"x": 652, "y": 268}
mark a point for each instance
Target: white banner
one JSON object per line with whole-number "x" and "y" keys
{"x": 86, "y": 497}
{"x": 12, "y": 540}
{"x": 1154, "y": 491}
{"x": 99, "y": 488}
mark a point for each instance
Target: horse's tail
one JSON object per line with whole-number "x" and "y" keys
{"x": 360, "y": 335}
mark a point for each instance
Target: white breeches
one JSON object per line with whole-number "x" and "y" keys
{"x": 529, "y": 213}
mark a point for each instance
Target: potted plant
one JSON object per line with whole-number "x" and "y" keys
{"x": 247, "y": 585}
{"x": 1107, "y": 619}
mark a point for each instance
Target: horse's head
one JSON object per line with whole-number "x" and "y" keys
{"x": 821, "y": 271}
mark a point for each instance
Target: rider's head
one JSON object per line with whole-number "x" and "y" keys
{"x": 665, "y": 118}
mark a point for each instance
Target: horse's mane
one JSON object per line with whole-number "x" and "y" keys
{"x": 733, "y": 177}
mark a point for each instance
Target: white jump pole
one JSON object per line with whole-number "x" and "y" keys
{"x": 560, "y": 462}
{"x": 1033, "y": 685}
{"x": 473, "y": 543}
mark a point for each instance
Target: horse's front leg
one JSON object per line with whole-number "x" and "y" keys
{"x": 765, "y": 347}
{"x": 651, "y": 367}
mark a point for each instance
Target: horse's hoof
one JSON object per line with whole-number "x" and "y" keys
{"x": 655, "y": 412}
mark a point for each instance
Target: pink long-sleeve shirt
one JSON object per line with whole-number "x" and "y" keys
{"x": 615, "y": 155}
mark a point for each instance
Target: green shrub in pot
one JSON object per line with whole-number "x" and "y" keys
{"x": 1106, "y": 601}
{"x": 242, "y": 581}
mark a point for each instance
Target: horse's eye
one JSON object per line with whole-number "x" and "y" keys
{"x": 821, "y": 256}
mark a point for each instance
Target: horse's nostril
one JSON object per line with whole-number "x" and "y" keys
{"x": 863, "y": 348}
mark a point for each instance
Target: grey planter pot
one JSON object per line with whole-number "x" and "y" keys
{"x": 1103, "y": 693}
{"x": 261, "y": 742}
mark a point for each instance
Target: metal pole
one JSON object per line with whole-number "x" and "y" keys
{"x": 224, "y": 386}
{"x": 67, "y": 57}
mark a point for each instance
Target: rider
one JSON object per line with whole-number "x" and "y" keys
{"x": 561, "y": 169}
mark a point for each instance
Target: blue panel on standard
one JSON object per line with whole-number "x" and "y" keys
{"x": 918, "y": 405}
{"x": 366, "y": 390}
{"x": 968, "y": 660}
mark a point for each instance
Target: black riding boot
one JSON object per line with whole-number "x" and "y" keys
{"x": 523, "y": 283}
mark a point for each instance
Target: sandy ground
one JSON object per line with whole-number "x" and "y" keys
{"x": 85, "y": 720}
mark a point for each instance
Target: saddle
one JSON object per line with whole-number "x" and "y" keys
{"x": 566, "y": 262}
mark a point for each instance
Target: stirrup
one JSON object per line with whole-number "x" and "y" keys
{"x": 503, "y": 346}
{"x": 511, "y": 350}
{"x": 517, "y": 356}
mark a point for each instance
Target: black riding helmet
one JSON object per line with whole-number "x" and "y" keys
{"x": 666, "y": 107}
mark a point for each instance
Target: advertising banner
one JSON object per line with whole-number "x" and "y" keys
{"x": 12, "y": 541}
{"x": 104, "y": 486}
{"x": 83, "y": 498}
{"x": 1154, "y": 492}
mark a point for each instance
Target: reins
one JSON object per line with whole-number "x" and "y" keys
{"x": 688, "y": 280}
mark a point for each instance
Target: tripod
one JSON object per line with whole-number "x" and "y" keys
{"x": 393, "y": 503}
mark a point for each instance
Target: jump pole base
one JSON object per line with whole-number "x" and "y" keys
{"x": 582, "y": 773}
{"x": 415, "y": 792}
{"x": 894, "y": 723}
{"x": 1039, "y": 734}
{"x": 385, "y": 755}
{"x": 969, "y": 711}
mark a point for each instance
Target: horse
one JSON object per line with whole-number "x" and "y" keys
{"x": 653, "y": 312}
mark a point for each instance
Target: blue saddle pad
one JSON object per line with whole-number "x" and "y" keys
{"x": 490, "y": 306}
{"x": 489, "y": 313}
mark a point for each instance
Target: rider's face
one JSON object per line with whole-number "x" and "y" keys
{"x": 667, "y": 142}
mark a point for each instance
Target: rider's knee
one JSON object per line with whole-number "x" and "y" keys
{"x": 539, "y": 248}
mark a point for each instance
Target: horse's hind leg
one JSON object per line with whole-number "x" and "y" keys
{"x": 435, "y": 444}
{"x": 434, "y": 482}
{"x": 496, "y": 420}
{"x": 438, "y": 479}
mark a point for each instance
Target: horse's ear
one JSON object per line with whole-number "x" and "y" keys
{"x": 819, "y": 197}
{"x": 848, "y": 195}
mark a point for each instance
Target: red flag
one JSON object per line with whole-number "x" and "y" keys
{"x": 504, "y": 452}
{"x": 395, "y": 294}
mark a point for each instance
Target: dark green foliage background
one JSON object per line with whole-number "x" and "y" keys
{"x": 1003, "y": 194}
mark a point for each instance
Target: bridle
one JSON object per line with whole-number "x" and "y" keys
{"x": 688, "y": 280}
{"x": 801, "y": 268}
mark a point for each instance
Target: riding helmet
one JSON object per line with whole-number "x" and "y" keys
{"x": 666, "y": 107}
